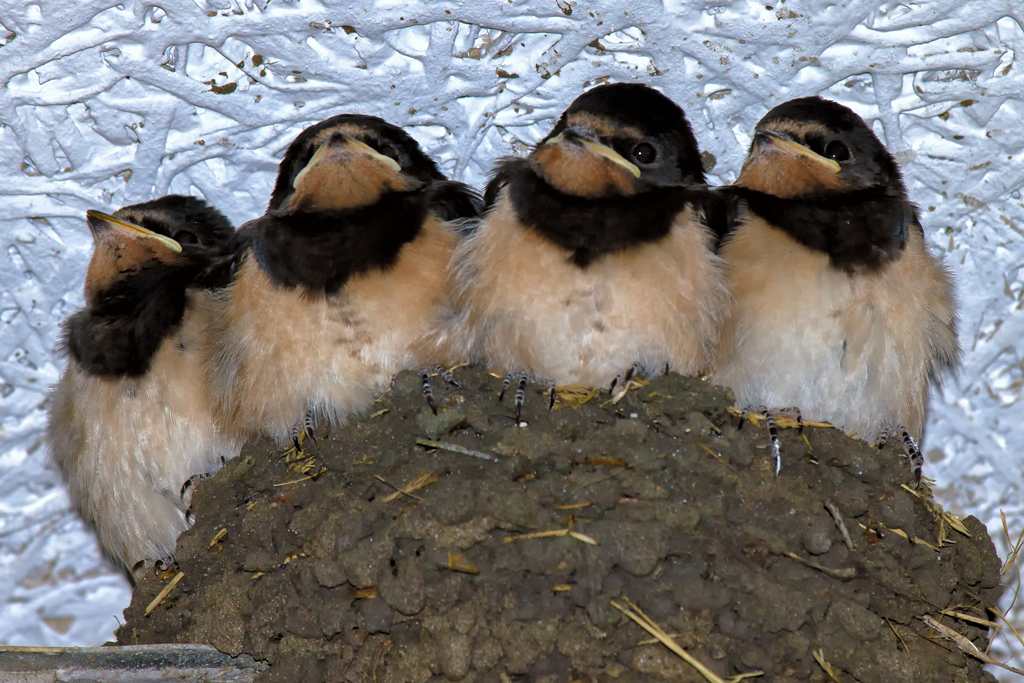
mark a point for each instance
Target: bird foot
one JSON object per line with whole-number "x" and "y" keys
{"x": 162, "y": 564}
{"x": 773, "y": 430}
{"x": 910, "y": 449}
{"x": 303, "y": 431}
{"x": 157, "y": 567}
{"x": 189, "y": 486}
{"x": 624, "y": 381}
{"x": 794, "y": 414}
{"x": 428, "y": 391}
{"x": 521, "y": 379}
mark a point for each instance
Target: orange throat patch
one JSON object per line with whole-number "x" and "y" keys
{"x": 773, "y": 171}
{"x": 574, "y": 171}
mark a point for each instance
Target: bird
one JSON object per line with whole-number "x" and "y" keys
{"x": 130, "y": 420}
{"x": 838, "y": 307}
{"x": 341, "y": 274}
{"x": 594, "y": 257}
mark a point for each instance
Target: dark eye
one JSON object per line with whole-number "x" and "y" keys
{"x": 837, "y": 150}
{"x": 389, "y": 151}
{"x": 645, "y": 153}
{"x": 184, "y": 237}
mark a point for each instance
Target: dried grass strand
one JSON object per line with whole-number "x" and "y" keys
{"x": 972, "y": 619}
{"x": 830, "y": 671}
{"x": 781, "y": 421}
{"x": 424, "y": 480}
{"x": 219, "y": 536}
{"x": 164, "y": 593}
{"x": 837, "y": 517}
{"x": 649, "y": 625}
{"x": 571, "y": 506}
{"x": 965, "y": 645}
{"x": 846, "y": 573}
{"x": 553, "y": 533}
{"x": 1013, "y": 559}
{"x": 455, "y": 448}
{"x": 898, "y": 636}
{"x": 306, "y": 478}
{"x": 995, "y": 610}
{"x": 574, "y": 395}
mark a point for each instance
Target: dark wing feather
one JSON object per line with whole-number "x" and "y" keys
{"x": 452, "y": 200}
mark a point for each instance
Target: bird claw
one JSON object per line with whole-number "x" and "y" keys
{"x": 303, "y": 431}
{"x": 521, "y": 379}
{"x": 794, "y": 413}
{"x": 913, "y": 454}
{"x": 744, "y": 416}
{"x": 162, "y": 564}
{"x": 910, "y": 449}
{"x": 623, "y": 380}
{"x": 520, "y": 396}
{"x": 190, "y": 483}
{"x": 505, "y": 383}
{"x": 773, "y": 431}
{"x": 428, "y": 390}
{"x": 448, "y": 376}
{"x": 157, "y": 566}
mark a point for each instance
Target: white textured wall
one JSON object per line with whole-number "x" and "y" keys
{"x": 110, "y": 102}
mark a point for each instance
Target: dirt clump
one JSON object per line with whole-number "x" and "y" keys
{"x": 402, "y": 562}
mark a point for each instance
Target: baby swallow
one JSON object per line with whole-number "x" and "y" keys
{"x": 130, "y": 419}
{"x": 593, "y": 256}
{"x": 342, "y": 273}
{"x": 838, "y": 307}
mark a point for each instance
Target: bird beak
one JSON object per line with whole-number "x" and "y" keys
{"x": 345, "y": 173}
{"x": 107, "y": 228}
{"x": 575, "y": 163}
{"x": 794, "y": 149}
{"x": 121, "y": 247}
{"x": 362, "y": 148}
{"x": 597, "y": 149}
{"x": 339, "y": 142}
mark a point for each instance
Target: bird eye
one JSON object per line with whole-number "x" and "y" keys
{"x": 837, "y": 150}
{"x": 184, "y": 237}
{"x": 389, "y": 151}
{"x": 645, "y": 153}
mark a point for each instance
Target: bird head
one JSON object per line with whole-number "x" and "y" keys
{"x": 620, "y": 139}
{"x": 348, "y": 162}
{"x": 810, "y": 146}
{"x": 174, "y": 231}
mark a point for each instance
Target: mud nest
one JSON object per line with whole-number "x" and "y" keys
{"x": 371, "y": 557}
